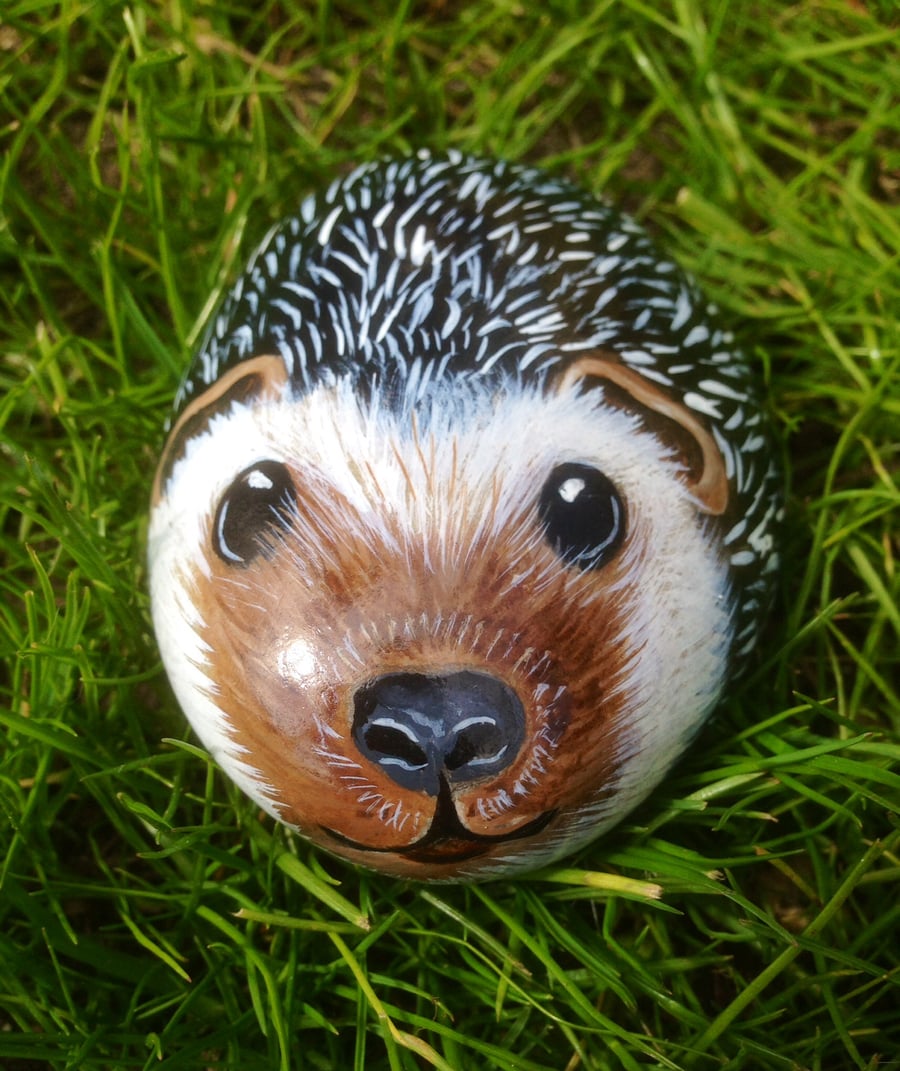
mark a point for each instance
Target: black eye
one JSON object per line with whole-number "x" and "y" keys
{"x": 254, "y": 505}
{"x": 582, "y": 514}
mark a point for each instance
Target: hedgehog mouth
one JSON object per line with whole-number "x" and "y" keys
{"x": 447, "y": 839}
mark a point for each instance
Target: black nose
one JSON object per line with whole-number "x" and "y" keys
{"x": 421, "y": 728}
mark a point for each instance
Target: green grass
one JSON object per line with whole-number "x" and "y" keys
{"x": 148, "y": 917}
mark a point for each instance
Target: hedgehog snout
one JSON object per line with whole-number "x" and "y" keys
{"x": 425, "y": 730}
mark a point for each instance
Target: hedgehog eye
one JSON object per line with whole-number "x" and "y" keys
{"x": 582, "y": 514}
{"x": 253, "y": 507}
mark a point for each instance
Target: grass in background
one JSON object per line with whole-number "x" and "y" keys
{"x": 747, "y": 915}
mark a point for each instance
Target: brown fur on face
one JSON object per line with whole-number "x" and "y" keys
{"x": 344, "y": 599}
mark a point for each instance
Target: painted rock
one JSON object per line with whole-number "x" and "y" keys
{"x": 464, "y": 520}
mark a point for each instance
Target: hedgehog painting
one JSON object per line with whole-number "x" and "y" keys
{"x": 464, "y": 521}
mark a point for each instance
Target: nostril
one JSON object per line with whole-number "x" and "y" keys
{"x": 479, "y": 742}
{"x": 395, "y": 745}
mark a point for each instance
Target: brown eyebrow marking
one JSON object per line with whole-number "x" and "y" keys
{"x": 249, "y": 379}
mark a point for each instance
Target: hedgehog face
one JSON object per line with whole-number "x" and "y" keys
{"x": 447, "y": 639}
